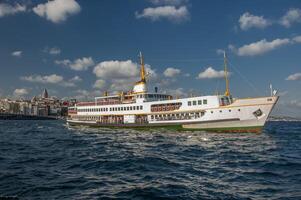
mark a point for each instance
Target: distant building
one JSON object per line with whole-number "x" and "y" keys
{"x": 42, "y": 105}
{"x": 45, "y": 94}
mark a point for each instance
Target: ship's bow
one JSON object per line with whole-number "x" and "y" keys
{"x": 243, "y": 115}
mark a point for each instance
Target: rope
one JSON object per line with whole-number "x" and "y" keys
{"x": 185, "y": 60}
{"x": 245, "y": 79}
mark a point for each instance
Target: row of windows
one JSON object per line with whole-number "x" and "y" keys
{"x": 178, "y": 116}
{"x": 156, "y": 96}
{"x": 126, "y": 108}
{"x": 198, "y": 102}
{"x": 111, "y": 109}
{"x": 92, "y": 109}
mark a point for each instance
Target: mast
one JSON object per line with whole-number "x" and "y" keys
{"x": 142, "y": 69}
{"x": 227, "y": 92}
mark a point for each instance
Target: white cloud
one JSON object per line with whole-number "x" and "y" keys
{"x": 65, "y": 62}
{"x": 232, "y": 48}
{"x": 79, "y": 64}
{"x": 297, "y": 39}
{"x": 177, "y": 92}
{"x": 168, "y": 2}
{"x": 85, "y": 94}
{"x": 260, "y": 47}
{"x": 52, "y": 51}
{"x": 121, "y": 75}
{"x": 171, "y": 72}
{"x": 116, "y": 69}
{"x": 57, "y": 10}
{"x": 17, "y": 53}
{"x": 165, "y": 12}
{"x": 220, "y": 51}
{"x": 7, "y": 9}
{"x": 99, "y": 84}
{"x": 247, "y": 21}
{"x": 76, "y": 79}
{"x": 294, "y": 77}
{"x": 122, "y": 84}
{"x": 210, "y": 73}
{"x": 292, "y": 16}
{"x": 20, "y": 92}
{"x": 82, "y": 64}
{"x": 53, "y": 78}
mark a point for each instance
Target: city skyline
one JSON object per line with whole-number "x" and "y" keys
{"x": 79, "y": 49}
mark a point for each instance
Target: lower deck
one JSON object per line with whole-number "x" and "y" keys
{"x": 175, "y": 127}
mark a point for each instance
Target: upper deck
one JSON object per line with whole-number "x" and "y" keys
{"x": 126, "y": 99}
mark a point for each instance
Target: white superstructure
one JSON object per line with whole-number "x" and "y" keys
{"x": 139, "y": 108}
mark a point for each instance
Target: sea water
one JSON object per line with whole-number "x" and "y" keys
{"x": 49, "y": 160}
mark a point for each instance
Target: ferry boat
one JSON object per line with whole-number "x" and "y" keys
{"x": 139, "y": 108}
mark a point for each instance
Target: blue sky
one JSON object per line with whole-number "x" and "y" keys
{"x": 79, "y": 48}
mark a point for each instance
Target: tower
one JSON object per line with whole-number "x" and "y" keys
{"x": 45, "y": 94}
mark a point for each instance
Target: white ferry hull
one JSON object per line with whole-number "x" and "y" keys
{"x": 240, "y": 116}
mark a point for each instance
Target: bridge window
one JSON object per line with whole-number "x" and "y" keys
{"x": 194, "y": 103}
{"x": 189, "y": 103}
{"x": 200, "y": 102}
{"x": 205, "y": 101}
